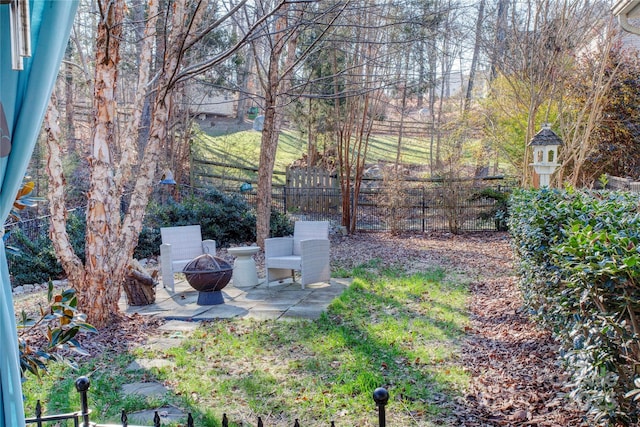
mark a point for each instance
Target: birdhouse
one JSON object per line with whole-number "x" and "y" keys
{"x": 545, "y": 146}
{"x": 167, "y": 178}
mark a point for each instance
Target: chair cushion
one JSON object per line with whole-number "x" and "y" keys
{"x": 179, "y": 264}
{"x": 294, "y": 262}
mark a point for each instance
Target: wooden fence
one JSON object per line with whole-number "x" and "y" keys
{"x": 617, "y": 183}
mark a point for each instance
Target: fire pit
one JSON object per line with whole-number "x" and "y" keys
{"x": 208, "y": 275}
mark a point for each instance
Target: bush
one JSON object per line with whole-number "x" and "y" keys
{"x": 579, "y": 259}
{"x": 500, "y": 211}
{"x": 228, "y": 219}
{"x": 34, "y": 260}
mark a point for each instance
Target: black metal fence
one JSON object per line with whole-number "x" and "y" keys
{"x": 82, "y": 418}
{"x": 453, "y": 206}
{"x": 455, "y": 209}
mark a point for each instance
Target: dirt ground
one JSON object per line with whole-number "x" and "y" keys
{"x": 516, "y": 380}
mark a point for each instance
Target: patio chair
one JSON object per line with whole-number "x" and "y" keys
{"x": 307, "y": 252}
{"x": 180, "y": 245}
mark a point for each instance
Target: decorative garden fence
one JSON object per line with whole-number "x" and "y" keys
{"x": 81, "y": 418}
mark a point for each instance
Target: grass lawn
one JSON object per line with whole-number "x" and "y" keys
{"x": 390, "y": 328}
{"x": 243, "y": 149}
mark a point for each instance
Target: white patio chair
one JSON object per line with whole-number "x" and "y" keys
{"x": 180, "y": 245}
{"x": 307, "y": 252}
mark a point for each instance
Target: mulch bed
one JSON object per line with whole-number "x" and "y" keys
{"x": 515, "y": 376}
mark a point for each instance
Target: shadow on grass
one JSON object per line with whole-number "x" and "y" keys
{"x": 375, "y": 334}
{"x": 390, "y": 330}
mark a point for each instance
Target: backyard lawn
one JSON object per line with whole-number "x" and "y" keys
{"x": 434, "y": 319}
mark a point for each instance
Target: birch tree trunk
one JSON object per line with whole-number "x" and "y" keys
{"x": 99, "y": 291}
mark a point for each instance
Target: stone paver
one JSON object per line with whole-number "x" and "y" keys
{"x": 179, "y": 325}
{"x": 146, "y": 364}
{"x": 164, "y": 343}
{"x": 279, "y": 300}
{"x": 150, "y": 389}
{"x": 168, "y": 415}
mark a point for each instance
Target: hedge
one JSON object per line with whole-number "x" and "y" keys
{"x": 579, "y": 264}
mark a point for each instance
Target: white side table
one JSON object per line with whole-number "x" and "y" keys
{"x": 245, "y": 274}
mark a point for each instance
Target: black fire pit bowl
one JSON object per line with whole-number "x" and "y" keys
{"x": 208, "y": 275}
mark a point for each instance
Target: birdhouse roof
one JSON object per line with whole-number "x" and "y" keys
{"x": 545, "y": 137}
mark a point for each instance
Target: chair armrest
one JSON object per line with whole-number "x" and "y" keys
{"x": 315, "y": 261}
{"x": 314, "y": 248}
{"x": 314, "y": 252}
{"x": 209, "y": 247}
{"x": 165, "y": 253}
{"x": 278, "y": 246}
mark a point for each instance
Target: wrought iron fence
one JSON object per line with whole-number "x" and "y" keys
{"x": 448, "y": 208}
{"x": 82, "y": 418}
{"x": 455, "y": 206}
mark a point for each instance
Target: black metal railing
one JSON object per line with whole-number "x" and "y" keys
{"x": 81, "y": 418}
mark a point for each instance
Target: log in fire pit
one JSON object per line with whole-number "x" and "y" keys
{"x": 208, "y": 275}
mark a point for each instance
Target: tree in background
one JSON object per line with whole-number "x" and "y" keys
{"x": 540, "y": 46}
{"x": 277, "y": 55}
{"x": 616, "y": 142}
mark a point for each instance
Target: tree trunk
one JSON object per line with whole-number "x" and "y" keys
{"x": 275, "y": 92}
{"x": 99, "y": 293}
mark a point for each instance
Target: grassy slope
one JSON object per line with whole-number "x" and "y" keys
{"x": 243, "y": 149}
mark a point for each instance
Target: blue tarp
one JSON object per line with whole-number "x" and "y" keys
{"x": 24, "y": 95}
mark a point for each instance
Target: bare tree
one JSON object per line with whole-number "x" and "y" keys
{"x": 535, "y": 60}
{"x": 582, "y": 105}
{"x": 277, "y": 55}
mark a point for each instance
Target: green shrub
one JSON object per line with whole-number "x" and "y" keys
{"x": 499, "y": 213}
{"x": 579, "y": 259}
{"x": 228, "y": 219}
{"x": 34, "y": 260}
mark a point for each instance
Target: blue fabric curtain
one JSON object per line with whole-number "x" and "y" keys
{"x": 24, "y": 96}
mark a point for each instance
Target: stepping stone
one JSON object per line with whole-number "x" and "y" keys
{"x": 146, "y": 364}
{"x": 163, "y": 343}
{"x": 179, "y": 326}
{"x": 264, "y": 314}
{"x": 303, "y": 312}
{"x": 150, "y": 389}
{"x": 168, "y": 415}
{"x": 221, "y": 311}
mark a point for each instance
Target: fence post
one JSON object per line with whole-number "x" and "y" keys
{"x": 284, "y": 199}
{"x": 381, "y": 397}
{"x": 82, "y": 385}
{"x": 39, "y": 413}
{"x": 423, "y": 203}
